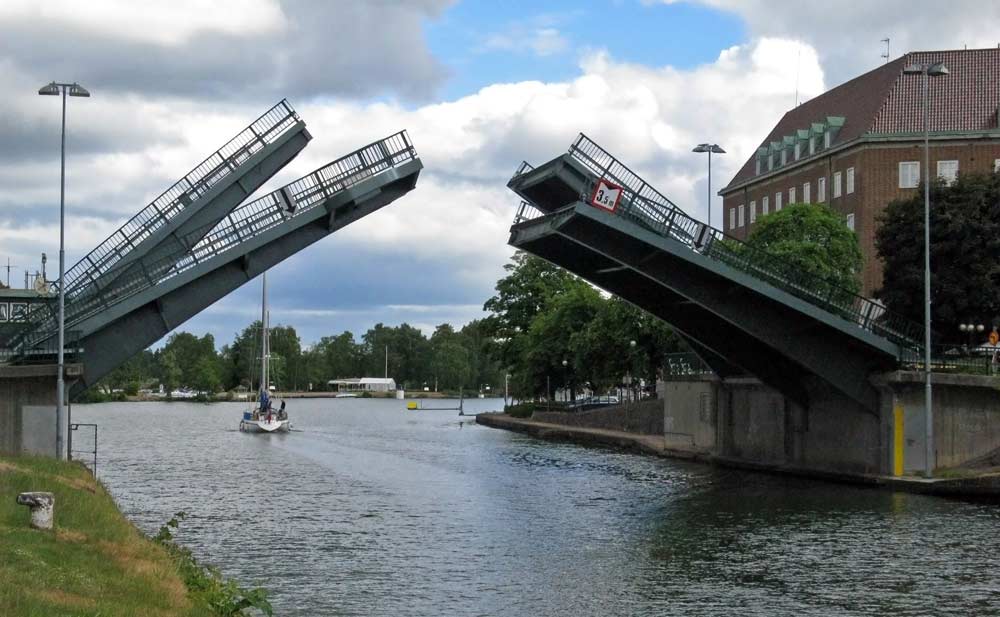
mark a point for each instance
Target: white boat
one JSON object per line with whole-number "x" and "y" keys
{"x": 264, "y": 418}
{"x": 346, "y": 395}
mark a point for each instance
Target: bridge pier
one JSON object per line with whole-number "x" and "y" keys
{"x": 744, "y": 420}
{"x": 28, "y": 408}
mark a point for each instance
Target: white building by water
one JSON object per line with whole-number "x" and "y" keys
{"x": 364, "y": 384}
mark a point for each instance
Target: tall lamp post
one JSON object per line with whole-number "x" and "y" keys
{"x": 62, "y": 424}
{"x": 928, "y": 71}
{"x": 710, "y": 148}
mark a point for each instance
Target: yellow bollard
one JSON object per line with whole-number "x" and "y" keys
{"x": 897, "y": 441}
{"x": 411, "y": 405}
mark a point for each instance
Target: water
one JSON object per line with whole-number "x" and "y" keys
{"x": 374, "y": 510}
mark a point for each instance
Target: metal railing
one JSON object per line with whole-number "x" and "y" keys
{"x": 242, "y": 224}
{"x": 642, "y": 204}
{"x": 264, "y": 130}
{"x": 684, "y": 364}
{"x": 527, "y": 212}
{"x": 75, "y": 427}
{"x": 983, "y": 360}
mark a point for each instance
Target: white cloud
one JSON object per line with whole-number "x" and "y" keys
{"x": 162, "y": 23}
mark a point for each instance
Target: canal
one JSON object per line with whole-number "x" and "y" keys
{"x": 369, "y": 509}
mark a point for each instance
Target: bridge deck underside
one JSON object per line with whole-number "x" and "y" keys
{"x": 743, "y": 324}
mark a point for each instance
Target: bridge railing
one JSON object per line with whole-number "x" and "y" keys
{"x": 644, "y": 205}
{"x": 684, "y": 364}
{"x": 527, "y": 212}
{"x": 261, "y": 132}
{"x": 244, "y": 223}
{"x": 981, "y": 360}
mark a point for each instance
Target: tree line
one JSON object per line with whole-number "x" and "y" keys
{"x": 449, "y": 359}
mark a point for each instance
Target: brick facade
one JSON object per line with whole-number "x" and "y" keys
{"x": 876, "y": 183}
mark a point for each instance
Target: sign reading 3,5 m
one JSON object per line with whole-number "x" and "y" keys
{"x": 606, "y": 195}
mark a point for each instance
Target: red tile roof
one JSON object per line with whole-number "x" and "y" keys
{"x": 885, "y": 100}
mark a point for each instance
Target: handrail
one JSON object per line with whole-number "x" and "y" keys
{"x": 266, "y": 129}
{"x": 644, "y": 205}
{"x": 243, "y": 223}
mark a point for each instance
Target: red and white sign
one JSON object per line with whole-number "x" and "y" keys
{"x": 606, "y": 195}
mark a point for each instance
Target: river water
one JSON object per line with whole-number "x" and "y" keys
{"x": 368, "y": 509}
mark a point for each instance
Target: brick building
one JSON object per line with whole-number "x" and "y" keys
{"x": 860, "y": 145}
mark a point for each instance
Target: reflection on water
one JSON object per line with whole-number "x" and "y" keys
{"x": 369, "y": 509}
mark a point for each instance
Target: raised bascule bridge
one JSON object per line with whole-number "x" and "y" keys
{"x": 805, "y": 372}
{"x": 196, "y": 243}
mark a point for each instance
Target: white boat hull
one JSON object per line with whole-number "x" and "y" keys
{"x": 265, "y": 426}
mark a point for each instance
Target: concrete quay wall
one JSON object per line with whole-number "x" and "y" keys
{"x": 28, "y": 407}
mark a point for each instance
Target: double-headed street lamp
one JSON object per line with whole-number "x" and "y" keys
{"x": 710, "y": 148}
{"x": 928, "y": 71}
{"x": 62, "y": 424}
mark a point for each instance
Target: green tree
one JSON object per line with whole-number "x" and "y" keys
{"x": 965, "y": 247}
{"x": 449, "y": 359}
{"x": 810, "y": 239}
{"x": 207, "y": 376}
{"x": 170, "y": 370}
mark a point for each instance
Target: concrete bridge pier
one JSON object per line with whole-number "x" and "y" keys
{"x": 746, "y": 421}
{"x": 28, "y": 408}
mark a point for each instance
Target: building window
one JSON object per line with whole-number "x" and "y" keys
{"x": 758, "y": 166}
{"x": 826, "y": 139}
{"x": 836, "y": 184}
{"x": 812, "y": 145}
{"x": 784, "y": 157}
{"x": 732, "y": 219}
{"x": 777, "y": 201}
{"x": 850, "y": 180}
{"x": 791, "y": 195}
{"x": 947, "y": 171}
{"x": 909, "y": 174}
{"x": 753, "y": 212}
{"x": 996, "y": 165}
{"x": 821, "y": 190}
{"x": 850, "y": 222}
{"x": 806, "y": 196}
{"x": 763, "y": 207}
{"x": 798, "y": 151}
{"x": 741, "y": 216}
{"x": 770, "y": 161}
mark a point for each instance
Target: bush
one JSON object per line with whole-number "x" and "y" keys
{"x": 222, "y": 595}
{"x": 521, "y": 410}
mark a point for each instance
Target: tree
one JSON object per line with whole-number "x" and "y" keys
{"x": 810, "y": 239}
{"x": 965, "y": 254}
{"x": 530, "y": 283}
{"x": 449, "y": 359}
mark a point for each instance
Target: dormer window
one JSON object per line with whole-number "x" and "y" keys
{"x": 812, "y": 145}
{"x": 827, "y": 136}
{"x": 784, "y": 157}
{"x": 758, "y": 165}
{"x": 798, "y": 151}
{"x": 770, "y": 162}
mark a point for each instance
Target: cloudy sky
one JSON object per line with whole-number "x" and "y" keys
{"x": 479, "y": 86}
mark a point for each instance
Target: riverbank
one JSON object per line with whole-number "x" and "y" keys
{"x": 960, "y": 483}
{"x": 93, "y": 561}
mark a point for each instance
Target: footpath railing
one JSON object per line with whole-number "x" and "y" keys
{"x": 983, "y": 360}
{"x": 644, "y": 205}
{"x": 684, "y": 364}
{"x": 242, "y": 224}
{"x": 261, "y": 132}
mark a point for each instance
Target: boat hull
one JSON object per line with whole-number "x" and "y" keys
{"x": 265, "y": 426}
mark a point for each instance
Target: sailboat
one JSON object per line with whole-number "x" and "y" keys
{"x": 264, "y": 418}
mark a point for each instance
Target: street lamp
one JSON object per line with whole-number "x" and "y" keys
{"x": 565, "y": 363}
{"x": 710, "y": 148}
{"x": 62, "y": 424}
{"x": 928, "y": 71}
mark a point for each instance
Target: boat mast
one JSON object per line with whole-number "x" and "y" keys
{"x": 264, "y": 343}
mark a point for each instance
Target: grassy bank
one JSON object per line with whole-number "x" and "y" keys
{"x": 94, "y": 562}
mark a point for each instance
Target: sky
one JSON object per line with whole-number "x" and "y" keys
{"x": 479, "y": 86}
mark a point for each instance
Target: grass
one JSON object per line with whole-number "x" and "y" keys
{"x": 93, "y": 563}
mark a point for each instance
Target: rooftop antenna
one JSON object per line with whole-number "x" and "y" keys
{"x": 798, "y": 57}
{"x": 886, "y": 53}
{"x": 9, "y": 265}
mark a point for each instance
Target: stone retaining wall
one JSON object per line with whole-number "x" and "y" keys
{"x": 644, "y": 417}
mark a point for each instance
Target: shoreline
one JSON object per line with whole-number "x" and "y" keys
{"x": 978, "y": 485}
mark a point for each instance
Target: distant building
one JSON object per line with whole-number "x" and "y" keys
{"x": 860, "y": 145}
{"x": 364, "y": 384}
